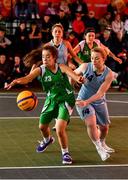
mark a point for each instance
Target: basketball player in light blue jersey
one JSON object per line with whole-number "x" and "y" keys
{"x": 64, "y": 47}
{"x": 91, "y": 103}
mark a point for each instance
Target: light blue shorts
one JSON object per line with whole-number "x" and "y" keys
{"x": 99, "y": 110}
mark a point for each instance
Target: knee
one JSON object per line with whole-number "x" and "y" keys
{"x": 42, "y": 127}
{"x": 104, "y": 128}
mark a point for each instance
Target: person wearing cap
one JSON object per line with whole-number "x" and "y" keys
{"x": 83, "y": 49}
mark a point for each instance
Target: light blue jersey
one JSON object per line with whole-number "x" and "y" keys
{"x": 92, "y": 84}
{"x": 99, "y": 107}
{"x": 62, "y": 52}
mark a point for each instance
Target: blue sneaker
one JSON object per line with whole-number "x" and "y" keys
{"x": 43, "y": 145}
{"x": 67, "y": 159}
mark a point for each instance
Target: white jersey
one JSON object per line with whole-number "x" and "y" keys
{"x": 62, "y": 52}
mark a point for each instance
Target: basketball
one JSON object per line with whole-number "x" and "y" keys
{"x": 27, "y": 101}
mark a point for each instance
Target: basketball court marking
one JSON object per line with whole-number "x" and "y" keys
{"x": 112, "y": 101}
{"x": 68, "y": 166}
{"x": 72, "y": 117}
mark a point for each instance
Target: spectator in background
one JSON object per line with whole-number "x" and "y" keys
{"x": 52, "y": 10}
{"x": 91, "y": 21}
{"x": 21, "y": 39}
{"x": 112, "y": 8}
{"x": 118, "y": 27}
{"x": 126, "y": 26}
{"x": 123, "y": 72}
{"x": 63, "y": 19}
{"x": 21, "y": 9}
{"x": 18, "y": 68}
{"x": 33, "y": 9}
{"x": 5, "y": 43}
{"x": 78, "y": 6}
{"x": 5, "y": 69}
{"x": 64, "y": 6}
{"x": 107, "y": 39}
{"x": 46, "y": 28}
{"x": 105, "y": 21}
{"x": 2, "y": 21}
{"x": 35, "y": 36}
{"x": 78, "y": 26}
{"x": 125, "y": 37}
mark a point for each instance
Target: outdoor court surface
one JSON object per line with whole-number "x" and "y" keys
{"x": 118, "y": 108}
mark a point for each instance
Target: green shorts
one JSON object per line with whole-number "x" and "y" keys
{"x": 52, "y": 110}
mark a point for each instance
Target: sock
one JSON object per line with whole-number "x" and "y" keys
{"x": 97, "y": 143}
{"x": 102, "y": 141}
{"x": 46, "y": 139}
{"x": 64, "y": 151}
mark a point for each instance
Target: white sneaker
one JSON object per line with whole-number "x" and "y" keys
{"x": 103, "y": 154}
{"x": 107, "y": 148}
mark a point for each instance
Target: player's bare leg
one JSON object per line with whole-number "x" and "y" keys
{"x": 63, "y": 140}
{"x": 94, "y": 136}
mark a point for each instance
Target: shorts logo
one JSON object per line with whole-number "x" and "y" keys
{"x": 85, "y": 111}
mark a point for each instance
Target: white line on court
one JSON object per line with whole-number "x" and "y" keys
{"x": 72, "y": 117}
{"x": 112, "y": 101}
{"x": 69, "y": 166}
{"x": 43, "y": 93}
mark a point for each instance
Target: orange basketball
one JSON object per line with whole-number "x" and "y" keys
{"x": 27, "y": 100}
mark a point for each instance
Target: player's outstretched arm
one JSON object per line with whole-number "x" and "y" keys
{"x": 25, "y": 79}
{"x": 65, "y": 69}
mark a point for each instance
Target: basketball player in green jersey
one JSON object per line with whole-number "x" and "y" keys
{"x": 83, "y": 48}
{"x": 59, "y": 102}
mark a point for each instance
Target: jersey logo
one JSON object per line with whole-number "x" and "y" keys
{"x": 89, "y": 77}
{"x": 48, "y": 79}
{"x": 68, "y": 91}
{"x": 85, "y": 111}
{"x": 85, "y": 52}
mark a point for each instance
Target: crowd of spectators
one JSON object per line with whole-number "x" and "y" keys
{"x": 33, "y": 29}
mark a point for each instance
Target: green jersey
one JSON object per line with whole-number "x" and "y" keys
{"x": 57, "y": 86}
{"x": 85, "y": 53}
